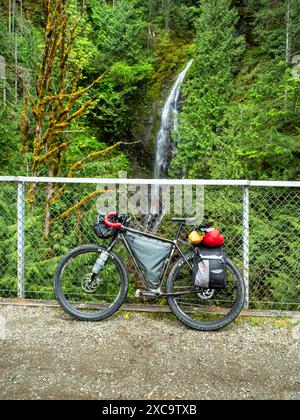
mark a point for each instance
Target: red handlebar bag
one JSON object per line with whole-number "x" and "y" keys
{"x": 213, "y": 238}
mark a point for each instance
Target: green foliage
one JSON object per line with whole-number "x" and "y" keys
{"x": 274, "y": 242}
{"x": 241, "y": 115}
{"x": 123, "y": 74}
{"x": 275, "y": 21}
{"x": 143, "y": 45}
{"x": 86, "y": 142}
{"x": 121, "y": 31}
{"x": 10, "y": 105}
{"x": 240, "y": 119}
{"x": 218, "y": 51}
{"x": 174, "y": 16}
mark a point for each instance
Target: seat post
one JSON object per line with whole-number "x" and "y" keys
{"x": 179, "y": 231}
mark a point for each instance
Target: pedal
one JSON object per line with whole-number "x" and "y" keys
{"x": 151, "y": 294}
{"x": 147, "y": 293}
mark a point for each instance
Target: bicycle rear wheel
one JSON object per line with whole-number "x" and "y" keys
{"x": 208, "y": 310}
{"x": 85, "y": 296}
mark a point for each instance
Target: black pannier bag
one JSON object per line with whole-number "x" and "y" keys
{"x": 210, "y": 268}
{"x": 150, "y": 255}
{"x": 101, "y": 230}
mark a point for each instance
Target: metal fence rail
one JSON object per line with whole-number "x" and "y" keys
{"x": 43, "y": 218}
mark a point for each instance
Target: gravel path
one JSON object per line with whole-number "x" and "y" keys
{"x": 46, "y": 355}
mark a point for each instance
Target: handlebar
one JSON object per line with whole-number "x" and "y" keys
{"x": 111, "y": 224}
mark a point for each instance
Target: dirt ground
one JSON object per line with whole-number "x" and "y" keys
{"x": 46, "y": 355}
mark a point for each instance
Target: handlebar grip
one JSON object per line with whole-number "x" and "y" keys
{"x": 111, "y": 224}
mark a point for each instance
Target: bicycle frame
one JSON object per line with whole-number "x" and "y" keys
{"x": 175, "y": 247}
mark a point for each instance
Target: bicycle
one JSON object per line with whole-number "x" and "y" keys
{"x": 91, "y": 282}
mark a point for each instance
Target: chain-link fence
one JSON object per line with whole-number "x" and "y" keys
{"x": 43, "y": 219}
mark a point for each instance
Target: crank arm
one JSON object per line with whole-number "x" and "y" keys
{"x": 151, "y": 294}
{"x": 183, "y": 293}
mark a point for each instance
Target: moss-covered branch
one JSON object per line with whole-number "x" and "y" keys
{"x": 81, "y": 203}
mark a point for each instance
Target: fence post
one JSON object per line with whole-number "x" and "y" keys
{"x": 246, "y": 244}
{"x": 21, "y": 240}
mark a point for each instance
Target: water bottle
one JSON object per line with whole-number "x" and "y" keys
{"x": 100, "y": 263}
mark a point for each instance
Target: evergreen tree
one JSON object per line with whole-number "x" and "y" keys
{"x": 277, "y": 28}
{"x": 218, "y": 51}
{"x": 261, "y": 135}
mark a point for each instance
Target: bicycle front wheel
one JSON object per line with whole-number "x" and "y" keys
{"x": 85, "y": 296}
{"x": 208, "y": 310}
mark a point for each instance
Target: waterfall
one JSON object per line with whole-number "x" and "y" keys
{"x": 168, "y": 124}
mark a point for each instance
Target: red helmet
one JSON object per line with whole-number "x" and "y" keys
{"x": 213, "y": 238}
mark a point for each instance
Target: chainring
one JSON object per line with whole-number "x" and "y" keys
{"x": 206, "y": 294}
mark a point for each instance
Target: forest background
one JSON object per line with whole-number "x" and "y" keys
{"x": 82, "y": 85}
{"x": 240, "y": 107}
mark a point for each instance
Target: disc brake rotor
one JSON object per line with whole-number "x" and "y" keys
{"x": 90, "y": 283}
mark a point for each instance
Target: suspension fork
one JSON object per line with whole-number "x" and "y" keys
{"x": 104, "y": 256}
